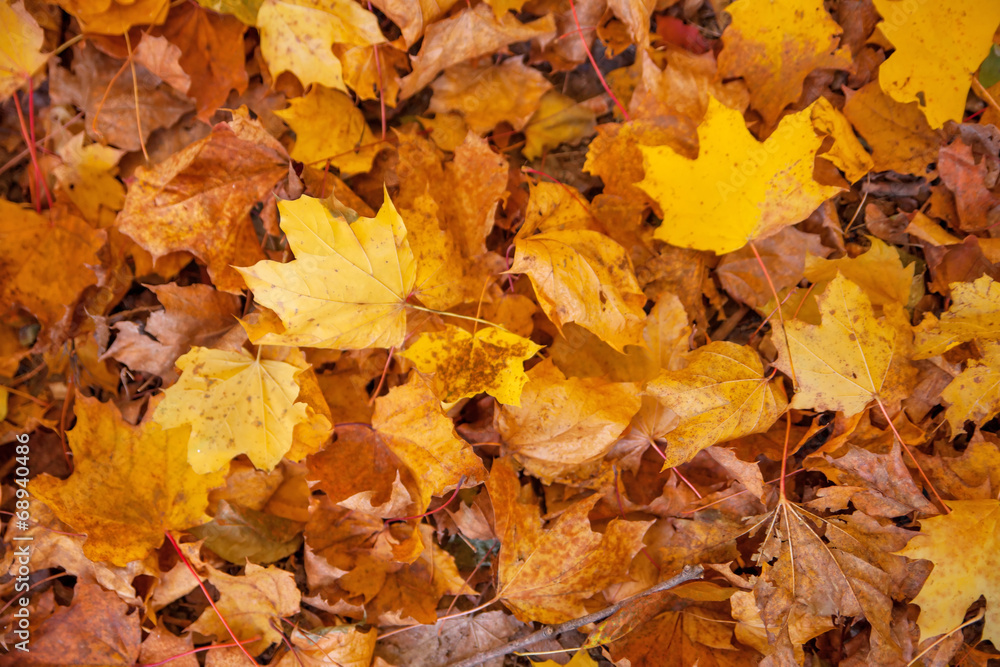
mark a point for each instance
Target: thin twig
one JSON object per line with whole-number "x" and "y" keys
{"x": 687, "y": 574}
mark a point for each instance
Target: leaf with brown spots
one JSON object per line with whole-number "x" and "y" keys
{"x": 235, "y": 404}
{"x": 462, "y": 364}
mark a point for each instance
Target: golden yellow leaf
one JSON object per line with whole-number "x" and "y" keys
{"x": 464, "y": 364}
{"x": 559, "y": 120}
{"x": 546, "y": 575}
{"x": 235, "y": 404}
{"x": 842, "y": 363}
{"x": 879, "y": 272}
{"x": 297, "y": 35}
{"x": 20, "y": 48}
{"x": 721, "y": 395}
{"x": 564, "y": 427}
{"x": 965, "y": 549}
{"x": 975, "y": 394}
{"x": 250, "y": 602}
{"x": 974, "y": 315}
{"x": 847, "y": 153}
{"x": 774, "y": 46}
{"x": 746, "y": 188}
{"x": 583, "y": 276}
{"x": 110, "y": 17}
{"x": 346, "y": 288}
{"x": 328, "y": 126}
{"x": 939, "y": 46}
{"x": 491, "y": 94}
{"x": 87, "y": 176}
{"x": 413, "y": 426}
{"x": 130, "y": 484}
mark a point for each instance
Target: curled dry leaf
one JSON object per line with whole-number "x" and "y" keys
{"x": 564, "y": 427}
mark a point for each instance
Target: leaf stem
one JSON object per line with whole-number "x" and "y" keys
{"x": 208, "y": 596}
{"x": 947, "y": 510}
{"x": 444, "y": 313}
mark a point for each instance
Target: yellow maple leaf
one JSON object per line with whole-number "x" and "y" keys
{"x": 583, "y": 276}
{"x": 235, "y": 404}
{"x": 20, "y": 47}
{"x": 975, "y": 394}
{"x": 414, "y": 427}
{"x": 348, "y": 284}
{"x": 965, "y": 549}
{"x": 342, "y": 645}
{"x": 842, "y": 363}
{"x": 879, "y": 272}
{"x": 939, "y": 46}
{"x": 250, "y": 602}
{"x": 463, "y": 364}
{"x": 974, "y": 315}
{"x": 847, "y": 153}
{"x": 774, "y": 46}
{"x": 328, "y": 126}
{"x": 129, "y": 485}
{"x": 297, "y": 35}
{"x": 721, "y": 395}
{"x": 747, "y": 188}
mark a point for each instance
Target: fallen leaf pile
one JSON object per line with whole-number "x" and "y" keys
{"x": 382, "y": 333}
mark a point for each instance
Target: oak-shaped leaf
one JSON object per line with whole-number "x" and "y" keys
{"x": 490, "y": 360}
{"x": 130, "y": 484}
{"x": 721, "y": 395}
{"x": 235, "y": 404}
{"x": 546, "y": 574}
{"x": 965, "y": 549}
{"x": 348, "y": 284}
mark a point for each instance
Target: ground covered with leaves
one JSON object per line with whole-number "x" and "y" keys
{"x": 393, "y": 332}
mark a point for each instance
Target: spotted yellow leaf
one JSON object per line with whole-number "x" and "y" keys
{"x": 235, "y": 404}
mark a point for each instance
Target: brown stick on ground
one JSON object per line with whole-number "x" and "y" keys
{"x": 687, "y": 574}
